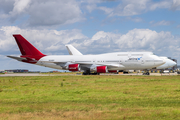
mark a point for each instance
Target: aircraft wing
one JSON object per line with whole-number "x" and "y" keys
{"x": 112, "y": 65}
{"x": 101, "y": 64}
{"x": 82, "y": 63}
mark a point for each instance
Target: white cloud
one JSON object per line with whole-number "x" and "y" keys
{"x": 176, "y": 5}
{"x": 106, "y": 10}
{"x": 42, "y": 12}
{"x": 101, "y": 35}
{"x": 178, "y": 26}
{"x": 91, "y": 7}
{"x": 161, "y": 23}
{"x": 54, "y": 12}
{"x": 144, "y": 39}
{"x": 134, "y": 40}
{"x": 20, "y": 6}
{"x": 134, "y": 7}
{"x": 45, "y": 40}
{"x": 53, "y": 41}
{"x": 136, "y": 19}
{"x": 160, "y": 5}
{"x": 129, "y": 8}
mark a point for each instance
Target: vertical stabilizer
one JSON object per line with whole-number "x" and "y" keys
{"x": 26, "y": 48}
{"x": 29, "y": 53}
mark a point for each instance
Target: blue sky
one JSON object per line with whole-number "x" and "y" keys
{"x": 93, "y": 27}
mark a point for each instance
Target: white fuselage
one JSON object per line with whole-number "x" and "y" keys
{"x": 113, "y": 61}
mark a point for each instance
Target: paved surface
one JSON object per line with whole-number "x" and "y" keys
{"x": 21, "y": 74}
{"x": 151, "y": 74}
{"x": 39, "y": 74}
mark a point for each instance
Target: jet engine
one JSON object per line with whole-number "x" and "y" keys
{"x": 102, "y": 69}
{"x": 98, "y": 69}
{"x": 73, "y": 67}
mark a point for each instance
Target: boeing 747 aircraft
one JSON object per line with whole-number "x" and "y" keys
{"x": 168, "y": 62}
{"x": 90, "y": 64}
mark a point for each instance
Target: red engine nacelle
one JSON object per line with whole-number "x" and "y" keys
{"x": 101, "y": 69}
{"x": 73, "y": 67}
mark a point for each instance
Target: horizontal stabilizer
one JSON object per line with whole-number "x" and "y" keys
{"x": 17, "y": 58}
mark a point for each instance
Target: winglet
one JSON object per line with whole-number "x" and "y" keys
{"x": 72, "y": 50}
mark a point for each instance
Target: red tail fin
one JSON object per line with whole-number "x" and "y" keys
{"x": 27, "y": 49}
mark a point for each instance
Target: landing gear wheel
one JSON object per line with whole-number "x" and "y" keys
{"x": 86, "y": 73}
{"x": 147, "y": 73}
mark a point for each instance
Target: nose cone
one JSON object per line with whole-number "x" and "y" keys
{"x": 172, "y": 63}
{"x": 168, "y": 64}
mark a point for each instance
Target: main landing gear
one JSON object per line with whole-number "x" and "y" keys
{"x": 88, "y": 73}
{"x": 146, "y": 73}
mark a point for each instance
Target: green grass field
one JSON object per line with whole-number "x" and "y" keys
{"x": 90, "y": 97}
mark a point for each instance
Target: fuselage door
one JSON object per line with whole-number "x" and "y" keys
{"x": 94, "y": 61}
{"x": 142, "y": 61}
{"x": 120, "y": 61}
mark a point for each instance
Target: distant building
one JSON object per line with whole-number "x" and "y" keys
{"x": 34, "y": 71}
{"x": 18, "y": 71}
{"x": 2, "y": 71}
{"x": 178, "y": 67}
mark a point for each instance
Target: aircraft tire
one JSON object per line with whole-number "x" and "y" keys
{"x": 85, "y": 73}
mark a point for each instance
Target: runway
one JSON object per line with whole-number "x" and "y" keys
{"x": 72, "y": 74}
{"x": 22, "y": 74}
